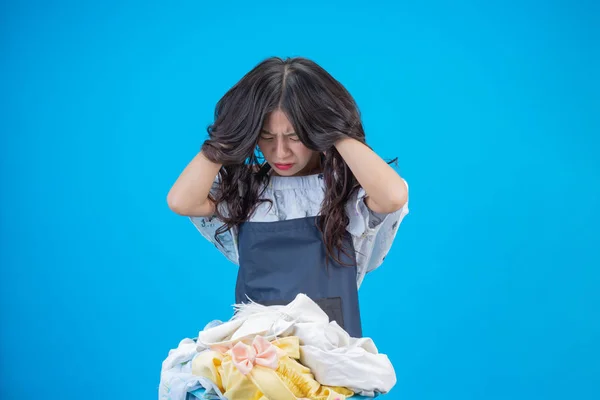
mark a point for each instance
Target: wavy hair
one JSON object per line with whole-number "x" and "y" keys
{"x": 321, "y": 111}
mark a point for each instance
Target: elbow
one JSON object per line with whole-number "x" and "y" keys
{"x": 392, "y": 199}
{"x": 395, "y": 204}
{"x": 399, "y": 203}
{"x": 175, "y": 204}
{"x": 390, "y": 205}
{"x": 183, "y": 206}
{"x": 396, "y": 200}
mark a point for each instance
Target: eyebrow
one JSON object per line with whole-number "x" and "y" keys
{"x": 272, "y": 134}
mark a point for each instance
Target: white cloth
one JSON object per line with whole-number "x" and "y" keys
{"x": 301, "y": 197}
{"x": 176, "y": 378}
{"x": 335, "y": 358}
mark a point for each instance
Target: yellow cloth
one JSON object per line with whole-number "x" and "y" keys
{"x": 290, "y": 381}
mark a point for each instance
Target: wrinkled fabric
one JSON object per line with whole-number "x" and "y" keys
{"x": 261, "y": 353}
{"x": 289, "y": 380}
{"x": 176, "y": 378}
{"x": 335, "y": 358}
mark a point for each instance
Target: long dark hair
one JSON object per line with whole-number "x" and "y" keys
{"x": 321, "y": 111}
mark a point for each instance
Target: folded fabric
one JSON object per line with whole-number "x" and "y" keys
{"x": 263, "y": 370}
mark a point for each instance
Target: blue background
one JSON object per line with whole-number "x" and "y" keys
{"x": 491, "y": 290}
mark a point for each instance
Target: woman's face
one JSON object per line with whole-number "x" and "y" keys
{"x": 282, "y": 148}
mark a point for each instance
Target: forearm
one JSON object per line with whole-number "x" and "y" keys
{"x": 386, "y": 190}
{"x": 189, "y": 194}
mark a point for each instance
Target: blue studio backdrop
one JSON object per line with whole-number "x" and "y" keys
{"x": 491, "y": 288}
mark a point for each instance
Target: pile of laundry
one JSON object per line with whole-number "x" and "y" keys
{"x": 286, "y": 352}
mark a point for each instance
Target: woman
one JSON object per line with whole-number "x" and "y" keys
{"x": 286, "y": 187}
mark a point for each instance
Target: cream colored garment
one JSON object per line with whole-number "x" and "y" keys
{"x": 326, "y": 349}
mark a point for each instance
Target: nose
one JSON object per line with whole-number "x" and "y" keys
{"x": 281, "y": 150}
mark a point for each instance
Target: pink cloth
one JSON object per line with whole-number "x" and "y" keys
{"x": 261, "y": 352}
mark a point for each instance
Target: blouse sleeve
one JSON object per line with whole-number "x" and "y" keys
{"x": 207, "y": 226}
{"x": 373, "y": 233}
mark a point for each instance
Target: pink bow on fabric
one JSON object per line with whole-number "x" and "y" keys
{"x": 261, "y": 352}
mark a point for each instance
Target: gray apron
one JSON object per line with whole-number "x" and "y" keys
{"x": 278, "y": 260}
